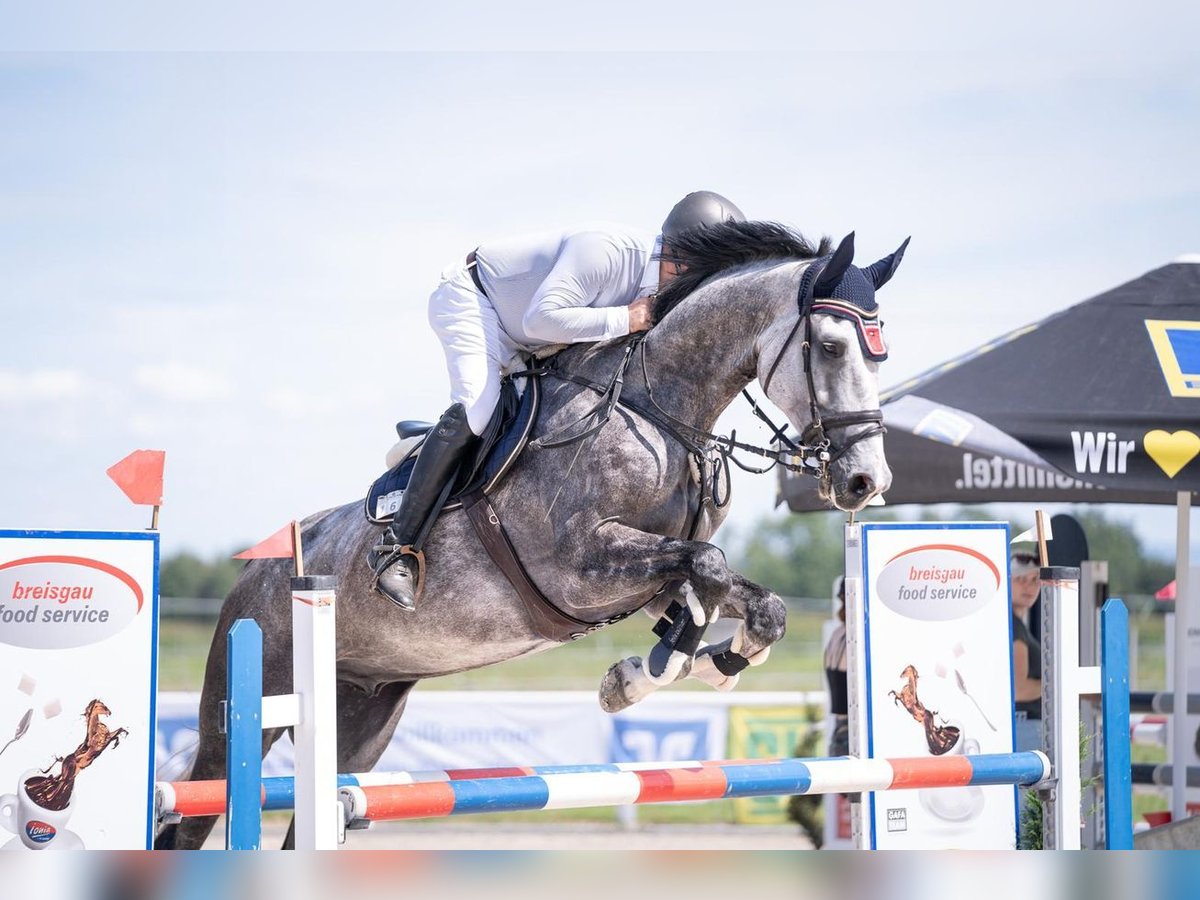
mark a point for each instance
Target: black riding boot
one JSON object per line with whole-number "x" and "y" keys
{"x": 397, "y": 559}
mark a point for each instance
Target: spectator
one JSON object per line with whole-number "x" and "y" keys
{"x": 835, "y": 675}
{"x": 1024, "y": 572}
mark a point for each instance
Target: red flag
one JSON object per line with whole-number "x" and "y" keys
{"x": 140, "y": 476}
{"x": 278, "y": 544}
{"x": 1166, "y": 592}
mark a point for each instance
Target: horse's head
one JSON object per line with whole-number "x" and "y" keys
{"x": 820, "y": 366}
{"x": 96, "y": 708}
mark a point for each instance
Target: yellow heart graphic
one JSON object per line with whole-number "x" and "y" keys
{"x": 1171, "y": 451}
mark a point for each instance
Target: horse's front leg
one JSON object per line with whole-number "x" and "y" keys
{"x": 621, "y": 554}
{"x": 764, "y": 621}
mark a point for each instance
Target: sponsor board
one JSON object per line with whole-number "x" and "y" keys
{"x": 934, "y": 650}
{"x": 78, "y": 671}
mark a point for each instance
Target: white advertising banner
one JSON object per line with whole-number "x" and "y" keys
{"x": 78, "y": 671}
{"x": 937, "y": 642}
{"x": 485, "y": 729}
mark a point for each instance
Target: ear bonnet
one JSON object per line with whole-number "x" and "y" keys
{"x": 835, "y": 287}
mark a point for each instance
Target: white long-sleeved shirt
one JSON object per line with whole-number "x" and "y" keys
{"x": 570, "y": 286}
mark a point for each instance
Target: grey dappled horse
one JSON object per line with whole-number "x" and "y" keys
{"x": 597, "y": 524}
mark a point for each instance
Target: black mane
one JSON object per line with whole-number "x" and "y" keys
{"x": 708, "y": 251}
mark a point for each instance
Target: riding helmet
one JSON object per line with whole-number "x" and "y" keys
{"x": 699, "y": 209}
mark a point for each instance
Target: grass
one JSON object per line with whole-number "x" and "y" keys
{"x": 795, "y": 663}
{"x": 1149, "y": 629}
{"x": 182, "y": 652}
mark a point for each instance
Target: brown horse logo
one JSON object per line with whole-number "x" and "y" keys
{"x": 940, "y": 738}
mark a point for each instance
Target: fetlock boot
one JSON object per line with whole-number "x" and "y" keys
{"x": 397, "y": 558}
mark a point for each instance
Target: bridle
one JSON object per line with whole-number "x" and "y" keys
{"x": 816, "y": 436}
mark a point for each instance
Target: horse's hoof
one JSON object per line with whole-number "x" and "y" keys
{"x": 619, "y": 688}
{"x": 612, "y": 690}
{"x": 760, "y": 657}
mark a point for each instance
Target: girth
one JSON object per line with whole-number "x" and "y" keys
{"x": 551, "y": 622}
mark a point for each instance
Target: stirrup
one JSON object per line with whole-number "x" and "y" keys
{"x": 395, "y": 552}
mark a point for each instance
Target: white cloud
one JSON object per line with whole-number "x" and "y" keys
{"x": 175, "y": 381}
{"x": 40, "y": 385}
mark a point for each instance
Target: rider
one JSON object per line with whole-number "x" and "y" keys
{"x": 589, "y": 283}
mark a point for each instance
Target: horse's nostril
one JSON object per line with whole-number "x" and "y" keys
{"x": 862, "y": 486}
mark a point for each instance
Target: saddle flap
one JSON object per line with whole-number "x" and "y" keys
{"x": 501, "y": 444}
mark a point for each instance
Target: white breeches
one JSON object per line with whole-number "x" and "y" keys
{"x": 478, "y": 351}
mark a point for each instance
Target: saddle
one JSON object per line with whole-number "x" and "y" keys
{"x": 499, "y": 447}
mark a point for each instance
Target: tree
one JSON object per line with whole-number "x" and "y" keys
{"x": 800, "y": 554}
{"x": 1130, "y": 570}
{"x": 796, "y": 555}
{"x": 187, "y": 575}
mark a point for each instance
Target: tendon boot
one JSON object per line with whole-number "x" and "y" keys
{"x": 397, "y": 559}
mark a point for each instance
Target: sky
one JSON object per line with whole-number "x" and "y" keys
{"x": 228, "y": 255}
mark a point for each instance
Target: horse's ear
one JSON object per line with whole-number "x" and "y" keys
{"x": 880, "y": 272}
{"x": 835, "y": 268}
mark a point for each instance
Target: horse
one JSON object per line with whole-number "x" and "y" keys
{"x": 601, "y": 524}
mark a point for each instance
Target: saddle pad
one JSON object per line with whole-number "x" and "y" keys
{"x": 501, "y": 444}
{"x": 384, "y": 495}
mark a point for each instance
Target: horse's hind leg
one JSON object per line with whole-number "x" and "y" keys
{"x": 365, "y": 724}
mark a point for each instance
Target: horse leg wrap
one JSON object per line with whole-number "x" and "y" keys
{"x": 732, "y": 660}
{"x": 704, "y": 668}
{"x": 730, "y": 663}
{"x": 679, "y": 639}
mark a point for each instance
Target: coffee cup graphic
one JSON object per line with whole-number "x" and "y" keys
{"x": 955, "y": 804}
{"x": 37, "y": 827}
{"x": 964, "y": 746}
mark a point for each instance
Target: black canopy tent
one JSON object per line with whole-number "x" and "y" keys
{"x": 939, "y": 454}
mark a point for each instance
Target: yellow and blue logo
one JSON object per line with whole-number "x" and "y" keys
{"x": 1177, "y": 344}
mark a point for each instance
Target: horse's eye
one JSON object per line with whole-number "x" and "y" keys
{"x": 832, "y": 349}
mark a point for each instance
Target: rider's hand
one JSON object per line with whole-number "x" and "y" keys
{"x": 639, "y": 315}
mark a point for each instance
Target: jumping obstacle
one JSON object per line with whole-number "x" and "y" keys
{"x": 1161, "y": 703}
{"x": 458, "y": 791}
{"x": 1162, "y": 774}
{"x": 207, "y": 798}
{"x": 248, "y": 713}
{"x": 663, "y": 785}
{"x": 329, "y": 803}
